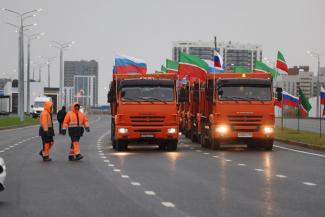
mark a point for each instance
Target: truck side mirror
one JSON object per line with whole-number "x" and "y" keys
{"x": 279, "y": 93}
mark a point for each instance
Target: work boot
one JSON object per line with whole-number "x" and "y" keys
{"x": 41, "y": 153}
{"x": 79, "y": 157}
{"x": 46, "y": 158}
{"x": 71, "y": 158}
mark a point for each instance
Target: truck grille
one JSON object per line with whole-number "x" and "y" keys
{"x": 245, "y": 123}
{"x": 147, "y": 131}
{"x": 147, "y": 121}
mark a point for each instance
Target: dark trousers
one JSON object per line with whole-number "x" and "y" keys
{"x": 60, "y": 126}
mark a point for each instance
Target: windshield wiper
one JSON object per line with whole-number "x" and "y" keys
{"x": 156, "y": 99}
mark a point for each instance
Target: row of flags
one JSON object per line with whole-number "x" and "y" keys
{"x": 301, "y": 101}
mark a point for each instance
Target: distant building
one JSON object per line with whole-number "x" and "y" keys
{"x": 81, "y": 82}
{"x": 305, "y": 80}
{"x": 234, "y": 54}
{"x": 295, "y": 70}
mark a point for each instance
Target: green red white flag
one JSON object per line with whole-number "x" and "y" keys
{"x": 171, "y": 66}
{"x": 163, "y": 69}
{"x": 281, "y": 63}
{"x": 305, "y": 106}
{"x": 192, "y": 67}
{"x": 262, "y": 67}
{"x": 241, "y": 69}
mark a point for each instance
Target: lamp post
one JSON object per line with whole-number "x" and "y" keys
{"x": 21, "y": 27}
{"x": 318, "y": 109}
{"x": 48, "y": 63}
{"x": 62, "y": 47}
{"x": 29, "y": 39}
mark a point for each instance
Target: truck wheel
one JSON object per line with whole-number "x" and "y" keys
{"x": 121, "y": 145}
{"x": 172, "y": 145}
{"x": 268, "y": 145}
{"x": 215, "y": 144}
{"x": 162, "y": 146}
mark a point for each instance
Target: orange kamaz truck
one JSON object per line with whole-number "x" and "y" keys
{"x": 234, "y": 108}
{"x": 144, "y": 110}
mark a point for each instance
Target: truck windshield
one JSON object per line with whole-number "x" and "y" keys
{"x": 147, "y": 94}
{"x": 245, "y": 92}
{"x": 38, "y": 104}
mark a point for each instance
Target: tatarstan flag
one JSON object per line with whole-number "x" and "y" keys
{"x": 262, "y": 67}
{"x": 192, "y": 67}
{"x": 163, "y": 69}
{"x": 305, "y": 106}
{"x": 171, "y": 66}
{"x": 281, "y": 63}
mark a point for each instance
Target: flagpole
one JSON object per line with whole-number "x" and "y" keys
{"x": 299, "y": 116}
{"x": 282, "y": 107}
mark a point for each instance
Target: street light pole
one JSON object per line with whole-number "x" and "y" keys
{"x": 61, "y": 47}
{"x": 20, "y": 28}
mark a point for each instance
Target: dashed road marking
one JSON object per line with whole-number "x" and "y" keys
{"x": 309, "y": 183}
{"x": 106, "y": 161}
{"x": 101, "y": 154}
{"x": 281, "y": 176}
{"x": 198, "y": 151}
{"x": 168, "y": 204}
{"x": 215, "y": 156}
{"x": 103, "y": 157}
{"x": 228, "y": 160}
{"x": 117, "y": 170}
{"x": 259, "y": 170}
{"x": 241, "y": 165}
{"x": 125, "y": 176}
{"x": 206, "y": 153}
{"x": 149, "y": 193}
{"x": 111, "y": 165}
{"x": 135, "y": 183}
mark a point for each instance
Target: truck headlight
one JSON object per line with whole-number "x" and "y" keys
{"x": 222, "y": 129}
{"x": 268, "y": 130}
{"x": 123, "y": 130}
{"x": 171, "y": 130}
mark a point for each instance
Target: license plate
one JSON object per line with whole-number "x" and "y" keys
{"x": 147, "y": 136}
{"x": 245, "y": 135}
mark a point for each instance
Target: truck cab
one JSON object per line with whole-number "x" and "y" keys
{"x": 240, "y": 109}
{"x": 144, "y": 111}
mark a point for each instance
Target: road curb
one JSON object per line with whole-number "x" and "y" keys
{"x": 300, "y": 144}
{"x": 17, "y": 126}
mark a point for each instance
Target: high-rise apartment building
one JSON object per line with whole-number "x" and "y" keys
{"x": 81, "y": 82}
{"x": 234, "y": 54}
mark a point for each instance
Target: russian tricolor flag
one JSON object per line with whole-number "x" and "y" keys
{"x": 217, "y": 59}
{"x": 129, "y": 65}
{"x": 322, "y": 96}
{"x": 212, "y": 68}
{"x": 290, "y": 100}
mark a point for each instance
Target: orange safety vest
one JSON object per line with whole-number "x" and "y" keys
{"x": 71, "y": 120}
{"x": 46, "y": 117}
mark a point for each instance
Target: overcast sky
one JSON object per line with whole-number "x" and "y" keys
{"x": 147, "y": 28}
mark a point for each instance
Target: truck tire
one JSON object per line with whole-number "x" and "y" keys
{"x": 172, "y": 145}
{"x": 113, "y": 141}
{"x": 268, "y": 145}
{"x": 121, "y": 145}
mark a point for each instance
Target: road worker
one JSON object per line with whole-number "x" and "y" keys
{"x": 46, "y": 130}
{"x": 60, "y": 117}
{"x": 75, "y": 121}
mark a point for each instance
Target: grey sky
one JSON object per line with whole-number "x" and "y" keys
{"x": 147, "y": 28}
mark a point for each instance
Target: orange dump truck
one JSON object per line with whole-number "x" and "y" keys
{"x": 144, "y": 110}
{"x": 233, "y": 108}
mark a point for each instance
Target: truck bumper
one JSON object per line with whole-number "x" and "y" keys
{"x": 146, "y": 133}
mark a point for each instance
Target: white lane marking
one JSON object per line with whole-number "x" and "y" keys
{"x": 206, "y": 153}
{"x": 302, "y": 152}
{"x": 241, "y": 165}
{"x": 168, "y": 204}
{"x": 101, "y": 154}
{"x": 149, "y": 193}
{"x": 117, "y": 170}
{"x": 228, "y": 160}
{"x": 125, "y": 176}
{"x": 103, "y": 157}
{"x": 281, "y": 176}
{"x": 111, "y": 165}
{"x": 309, "y": 183}
{"x": 7, "y": 149}
{"x": 106, "y": 161}
{"x": 12, "y": 146}
{"x": 215, "y": 156}
{"x": 135, "y": 183}
{"x": 198, "y": 151}
{"x": 2, "y": 151}
{"x": 259, "y": 170}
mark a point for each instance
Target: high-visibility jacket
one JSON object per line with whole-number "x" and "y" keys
{"x": 75, "y": 118}
{"x": 46, "y": 116}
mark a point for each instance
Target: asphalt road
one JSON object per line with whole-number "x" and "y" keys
{"x": 311, "y": 125}
{"x": 146, "y": 182}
